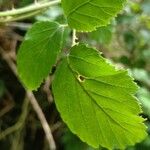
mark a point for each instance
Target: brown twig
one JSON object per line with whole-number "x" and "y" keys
{"x": 6, "y": 109}
{"x": 46, "y": 89}
{"x": 34, "y": 103}
{"x": 42, "y": 119}
{"x": 56, "y": 126}
{"x": 20, "y": 122}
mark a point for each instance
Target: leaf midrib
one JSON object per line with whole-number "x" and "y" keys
{"x": 45, "y": 39}
{"x": 79, "y": 6}
{"x": 93, "y": 100}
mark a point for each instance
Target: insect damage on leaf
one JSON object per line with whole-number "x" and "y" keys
{"x": 81, "y": 78}
{"x": 97, "y": 101}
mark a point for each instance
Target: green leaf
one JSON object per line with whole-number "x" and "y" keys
{"x": 87, "y": 15}
{"x": 102, "y": 35}
{"x": 70, "y": 139}
{"x": 144, "y": 97}
{"x": 97, "y": 101}
{"x": 38, "y": 52}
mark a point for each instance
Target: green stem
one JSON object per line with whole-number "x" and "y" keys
{"x": 21, "y": 17}
{"x": 33, "y": 7}
{"x": 74, "y": 37}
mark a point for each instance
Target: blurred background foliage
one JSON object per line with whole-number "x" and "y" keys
{"x": 125, "y": 41}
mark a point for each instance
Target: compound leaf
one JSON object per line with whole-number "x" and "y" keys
{"x": 38, "y": 52}
{"x": 87, "y": 15}
{"x": 97, "y": 101}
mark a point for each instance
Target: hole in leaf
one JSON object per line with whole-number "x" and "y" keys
{"x": 81, "y": 78}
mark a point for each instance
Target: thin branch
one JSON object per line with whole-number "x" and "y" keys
{"x": 56, "y": 126}
{"x": 20, "y": 17}
{"x": 42, "y": 119}
{"x": 46, "y": 89}
{"x": 27, "y": 9}
{"x": 6, "y": 109}
{"x": 20, "y": 122}
{"x": 9, "y": 106}
{"x": 35, "y": 105}
{"x": 20, "y": 25}
{"x": 9, "y": 61}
